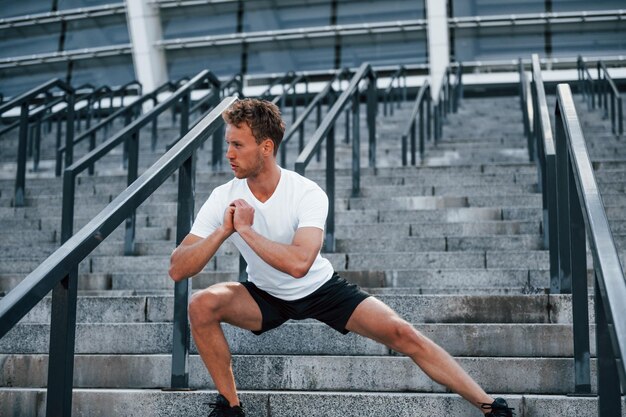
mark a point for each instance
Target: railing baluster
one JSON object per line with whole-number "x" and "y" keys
{"x": 329, "y": 241}
{"x": 182, "y": 290}
{"x": 562, "y": 177}
{"x": 356, "y": 146}
{"x": 372, "y": 103}
{"x": 133, "y": 170}
{"x": 20, "y": 179}
{"x": 609, "y": 392}
{"x": 580, "y": 308}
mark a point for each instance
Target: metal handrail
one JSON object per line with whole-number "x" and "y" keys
{"x": 422, "y": 100}
{"x": 103, "y": 125}
{"x": 581, "y": 215}
{"x": 586, "y": 83}
{"x": 298, "y": 124}
{"x": 130, "y": 136}
{"x": 546, "y": 172}
{"x": 233, "y": 86}
{"x": 388, "y": 94}
{"x": 23, "y": 101}
{"x": 59, "y": 272}
{"x": 289, "y": 75}
{"x": 607, "y": 85}
{"x": 326, "y": 130}
{"x": 527, "y": 109}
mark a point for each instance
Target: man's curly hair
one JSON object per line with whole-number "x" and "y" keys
{"x": 262, "y": 117}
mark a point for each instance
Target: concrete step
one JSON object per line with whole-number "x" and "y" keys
{"x": 532, "y": 308}
{"x": 286, "y": 372}
{"x": 294, "y": 338}
{"x": 136, "y": 403}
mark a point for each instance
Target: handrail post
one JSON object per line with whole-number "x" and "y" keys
{"x": 620, "y": 116}
{"x": 421, "y": 129}
{"x": 69, "y": 134}
{"x": 37, "y": 144}
{"x": 371, "y": 118}
{"x": 356, "y": 146}
{"x": 133, "y": 170}
{"x": 573, "y": 254}
{"x": 63, "y": 321}
{"x": 609, "y": 392}
{"x": 20, "y": 178}
{"x": 429, "y": 103}
{"x": 329, "y": 241}
{"x": 182, "y": 289}
{"x": 217, "y": 147}
{"x": 580, "y": 300}
{"x": 562, "y": 178}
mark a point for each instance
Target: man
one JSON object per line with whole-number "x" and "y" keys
{"x": 276, "y": 219}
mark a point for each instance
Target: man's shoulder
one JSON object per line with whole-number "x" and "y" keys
{"x": 299, "y": 181}
{"x": 227, "y": 189}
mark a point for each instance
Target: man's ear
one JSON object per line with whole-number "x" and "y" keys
{"x": 268, "y": 147}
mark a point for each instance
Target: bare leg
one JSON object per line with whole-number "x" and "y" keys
{"x": 226, "y": 302}
{"x": 375, "y": 320}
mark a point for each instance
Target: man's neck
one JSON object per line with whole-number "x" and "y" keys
{"x": 265, "y": 182}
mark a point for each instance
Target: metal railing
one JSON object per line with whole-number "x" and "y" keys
{"x": 609, "y": 93}
{"x": 448, "y": 99}
{"x": 326, "y": 131}
{"x": 581, "y": 216}
{"x": 586, "y": 83}
{"x": 395, "y": 93}
{"x": 326, "y": 94}
{"x": 281, "y": 99}
{"x": 422, "y": 101}
{"x": 59, "y": 272}
{"x": 546, "y": 172}
{"x": 234, "y": 86}
{"x": 527, "y": 109}
{"x": 128, "y": 112}
{"x": 24, "y": 102}
{"x": 130, "y": 135}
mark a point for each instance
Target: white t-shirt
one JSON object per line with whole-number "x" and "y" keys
{"x": 296, "y": 202}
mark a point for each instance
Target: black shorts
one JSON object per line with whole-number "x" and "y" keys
{"x": 333, "y": 303}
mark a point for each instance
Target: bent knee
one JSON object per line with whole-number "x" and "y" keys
{"x": 204, "y": 307}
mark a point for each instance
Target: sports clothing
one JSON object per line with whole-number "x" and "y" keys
{"x": 296, "y": 202}
{"x": 333, "y": 303}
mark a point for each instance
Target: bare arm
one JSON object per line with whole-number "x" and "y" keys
{"x": 294, "y": 259}
{"x": 194, "y": 252}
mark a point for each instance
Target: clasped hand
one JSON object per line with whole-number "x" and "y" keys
{"x": 239, "y": 215}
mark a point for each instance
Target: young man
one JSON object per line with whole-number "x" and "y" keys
{"x": 276, "y": 219}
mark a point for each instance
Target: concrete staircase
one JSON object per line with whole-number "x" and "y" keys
{"x": 453, "y": 245}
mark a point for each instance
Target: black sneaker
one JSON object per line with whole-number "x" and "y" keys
{"x": 499, "y": 408}
{"x": 221, "y": 408}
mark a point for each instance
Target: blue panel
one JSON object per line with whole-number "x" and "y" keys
{"x": 577, "y": 5}
{"x": 462, "y": 8}
{"x": 299, "y": 55}
{"x": 74, "y": 4}
{"x": 14, "y": 81}
{"x": 478, "y": 44}
{"x": 387, "y": 49}
{"x": 112, "y": 71}
{"x": 30, "y": 40}
{"x": 379, "y": 11}
{"x": 23, "y": 7}
{"x": 222, "y": 61}
{"x": 203, "y": 20}
{"x": 589, "y": 39}
{"x": 265, "y": 15}
{"x": 87, "y": 34}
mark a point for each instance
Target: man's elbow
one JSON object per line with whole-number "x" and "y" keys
{"x": 175, "y": 274}
{"x": 301, "y": 270}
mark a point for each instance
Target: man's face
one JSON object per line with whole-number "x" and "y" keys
{"x": 243, "y": 153}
